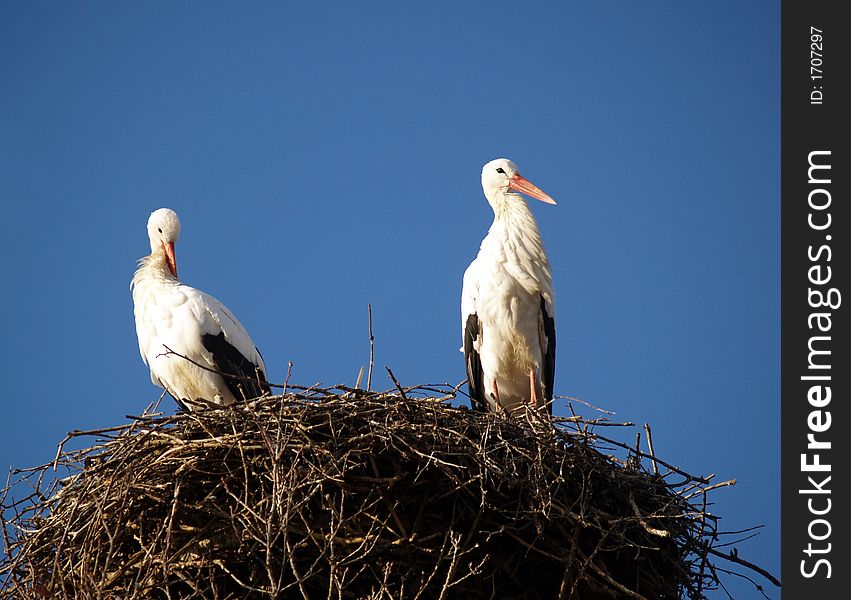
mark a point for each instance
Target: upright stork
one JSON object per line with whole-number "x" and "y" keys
{"x": 508, "y": 303}
{"x": 194, "y": 346}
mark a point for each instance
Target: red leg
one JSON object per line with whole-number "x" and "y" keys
{"x": 533, "y": 389}
{"x": 496, "y": 397}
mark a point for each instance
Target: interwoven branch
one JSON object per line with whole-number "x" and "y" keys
{"x": 342, "y": 493}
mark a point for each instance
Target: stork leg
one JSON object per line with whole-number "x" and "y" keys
{"x": 533, "y": 389}
{"x": 495, "y": 395}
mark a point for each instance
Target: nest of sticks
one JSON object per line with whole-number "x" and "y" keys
{"x": 344, "y": 493}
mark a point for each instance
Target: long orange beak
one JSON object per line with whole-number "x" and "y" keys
{"x": 521, "y": 184}
{"x": 168, "y": 248}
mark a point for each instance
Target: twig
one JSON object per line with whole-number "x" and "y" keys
{"x": 371, "y": 350}
{"x": 741, "y": 561}
{"x": 170, "y": 352}
{"x": 643, "y": 455}
{"x": 650, "y": 446}
{"x": 287, "y": 379}
{"x": 396, "y": 382}
{"x": 607, "y": 412}
{"x": 703, "y": 490}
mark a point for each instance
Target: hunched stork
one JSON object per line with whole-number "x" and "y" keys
{"x": 508, "y": 303}
{"x": 194, "y": 346}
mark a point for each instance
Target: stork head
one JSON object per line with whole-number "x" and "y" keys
{"x": 500, "y": 175}
{"x": 163, "y": 231}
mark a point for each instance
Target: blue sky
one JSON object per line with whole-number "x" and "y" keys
{"x": 326, "y": 157}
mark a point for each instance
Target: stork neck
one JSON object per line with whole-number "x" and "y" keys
{"x": 155, "y": 266}
{"x": 512, "y": 216}
{"x": 513, "y": 242}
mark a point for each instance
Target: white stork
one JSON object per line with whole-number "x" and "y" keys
{"x": 194, "y": 346}
{"x": 508, "y": 303}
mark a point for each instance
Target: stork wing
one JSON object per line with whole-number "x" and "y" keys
{"x": 243, "y": 378}
{"x": 470, "y": 332}
{"x": 475, "y": 375}
{"x": 234, "y": 354}
{"x": 548, "y": 350}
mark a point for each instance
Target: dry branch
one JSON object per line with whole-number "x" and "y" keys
{"x": 347, "y": 493}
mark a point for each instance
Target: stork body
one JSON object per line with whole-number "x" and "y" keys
{"x": 508, "y": 303}
{"x": 194, "y": 346}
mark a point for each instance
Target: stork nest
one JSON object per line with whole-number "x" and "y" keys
{"x": 343, "y": 493}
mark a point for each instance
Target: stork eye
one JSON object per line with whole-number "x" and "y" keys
{"x": 160, "y": 229}
{"x": 500, "y": 170}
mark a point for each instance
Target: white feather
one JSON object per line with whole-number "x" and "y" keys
{"x": 171, "y": 320}
{"x": 503, "y": 286}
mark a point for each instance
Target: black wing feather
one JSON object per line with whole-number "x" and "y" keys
{"x": 474, "y": 364}
{"x": 549, "y": 370}
{"x": 243, "y": 378}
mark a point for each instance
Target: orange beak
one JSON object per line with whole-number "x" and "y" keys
{"x": 168, "y": 248}
{"x": 520, "y": 184}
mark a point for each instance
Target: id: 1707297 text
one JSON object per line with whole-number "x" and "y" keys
{"x": 816, "y": 61}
